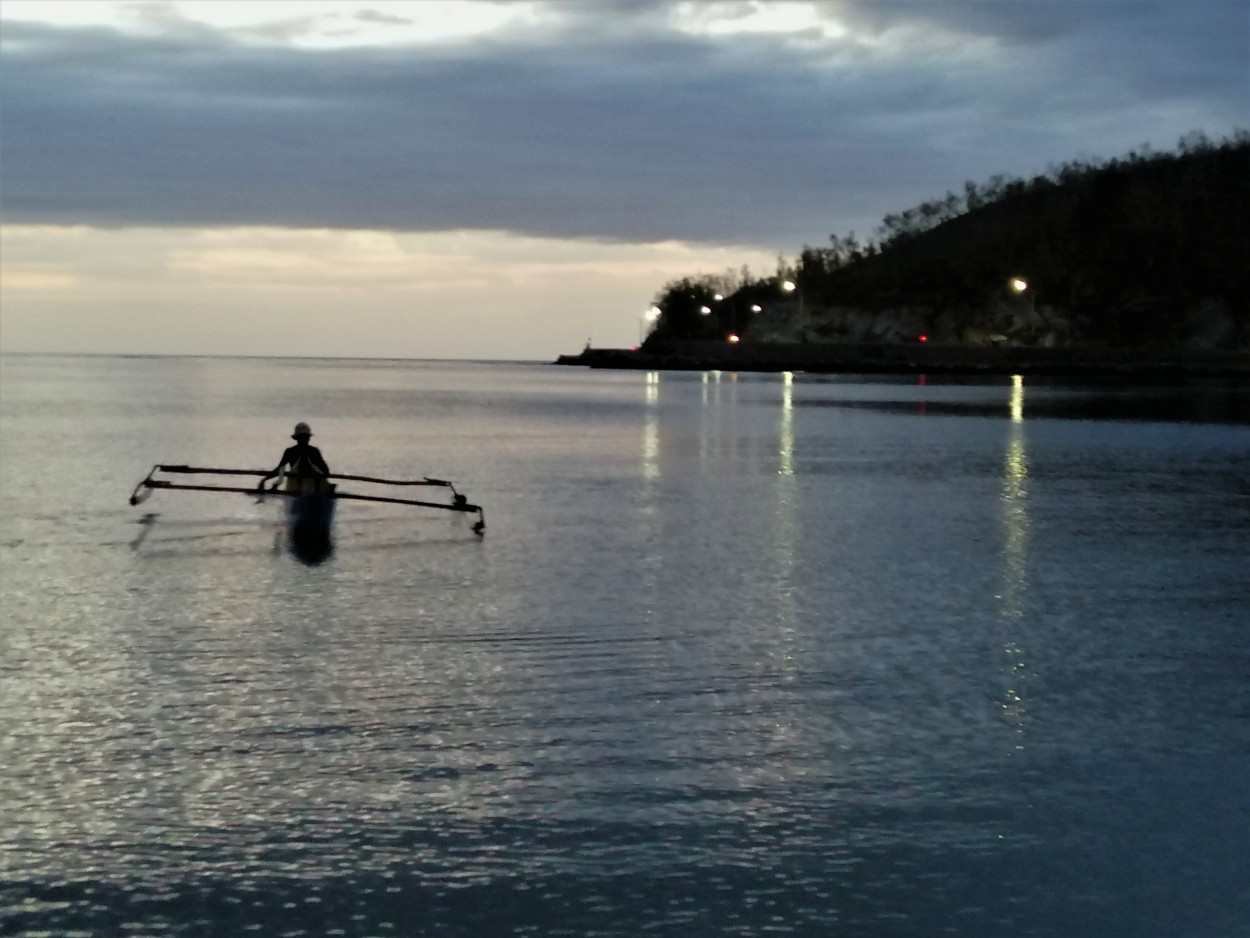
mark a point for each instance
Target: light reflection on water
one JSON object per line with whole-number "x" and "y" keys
{"x": 1015, "y": 558}
{"x": 740, "y": 654}
{"x": 1015, "y": 508}
{"x": 785, "y": 433}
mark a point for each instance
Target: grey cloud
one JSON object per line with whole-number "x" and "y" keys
{"x": 603, "y": 130}
{"x": 1008, "y": 20}
{"x": 374, "y": 16}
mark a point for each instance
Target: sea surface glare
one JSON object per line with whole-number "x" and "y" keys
{"x": 739, "y": 655}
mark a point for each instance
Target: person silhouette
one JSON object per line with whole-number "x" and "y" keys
{"x": 305, "y": 468}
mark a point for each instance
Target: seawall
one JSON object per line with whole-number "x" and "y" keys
{"x": 916, "y": 358}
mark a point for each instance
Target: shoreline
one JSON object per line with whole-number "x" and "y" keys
{"x": 916, "y": 359}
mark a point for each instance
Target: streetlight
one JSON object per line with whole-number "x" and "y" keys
{"x": 1019, "y": 286}
{"x": 791, "y": 287}
{"x": 649, "y": 318}
{"x": 732, "y": 314}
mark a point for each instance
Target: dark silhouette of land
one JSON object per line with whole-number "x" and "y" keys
{"x": 1136, "y": 264}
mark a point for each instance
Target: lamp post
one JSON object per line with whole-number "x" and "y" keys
{"x": 1019, "y": 286}
{"x": 791, "y": 287}
{"x": 732, "y": 317}
{"x": 649, "y": 319}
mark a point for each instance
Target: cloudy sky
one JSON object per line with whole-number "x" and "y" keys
{"x": 446, "y": 179}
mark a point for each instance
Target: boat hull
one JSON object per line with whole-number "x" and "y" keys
{"x": 310, "y": 525}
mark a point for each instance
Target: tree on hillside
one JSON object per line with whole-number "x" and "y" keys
{"x": 1120, "y": 250}
{"x": 708, "y": 306}
{"x": 1144, "y": 249}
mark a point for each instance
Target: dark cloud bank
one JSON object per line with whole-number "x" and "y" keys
{"x": 608, "y": 126}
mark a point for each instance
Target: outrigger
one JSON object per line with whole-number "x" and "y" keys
{"x": 310, "y": 509}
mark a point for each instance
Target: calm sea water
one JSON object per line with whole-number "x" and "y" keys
{"x": 738, "y": 656}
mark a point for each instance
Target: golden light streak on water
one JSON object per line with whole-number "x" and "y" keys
{"x": 1015, "y": 515}
{"x": 785, "y": 449}
{"x": 1017, "y": 398}
{"x": 651, "y": 428}
{"x": 784, "y": 573}
{"x": 1015, "y": 510}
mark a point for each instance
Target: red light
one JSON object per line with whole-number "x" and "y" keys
{"x": 923, "y": 338}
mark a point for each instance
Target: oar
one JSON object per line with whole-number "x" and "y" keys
{"x": 212, "y": 470}
{"x": 242, "y": 490}
{"x": 426, "y": 481}
{"x": 209, "y": 470}
{"x": 459, "y": 503}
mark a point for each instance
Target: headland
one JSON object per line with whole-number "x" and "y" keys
{"x": 1132, "y": 267}
{"x": 916, "y": 358}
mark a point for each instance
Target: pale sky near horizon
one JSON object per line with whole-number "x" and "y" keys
{"x": 504, "y": 180}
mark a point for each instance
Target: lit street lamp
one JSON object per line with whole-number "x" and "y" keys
{"x": 649, "y": 319}
{"x": 791, "y": 287}
{"x": 1019, "y": 286}
{"x": 732, "y": 314}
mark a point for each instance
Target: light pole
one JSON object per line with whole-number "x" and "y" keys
{"x": 791, "y": 287}
{"x": 649, "y": 319}
{"x": 1019, "y": 286}
{"x": 732, "y": 317}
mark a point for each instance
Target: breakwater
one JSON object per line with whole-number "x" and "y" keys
{"x": 915, "y": 358}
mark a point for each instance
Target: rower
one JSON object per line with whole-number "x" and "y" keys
{"x": 305, "y": 469}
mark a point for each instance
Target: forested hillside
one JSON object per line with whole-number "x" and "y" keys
{"x": 1147, "y": 250}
